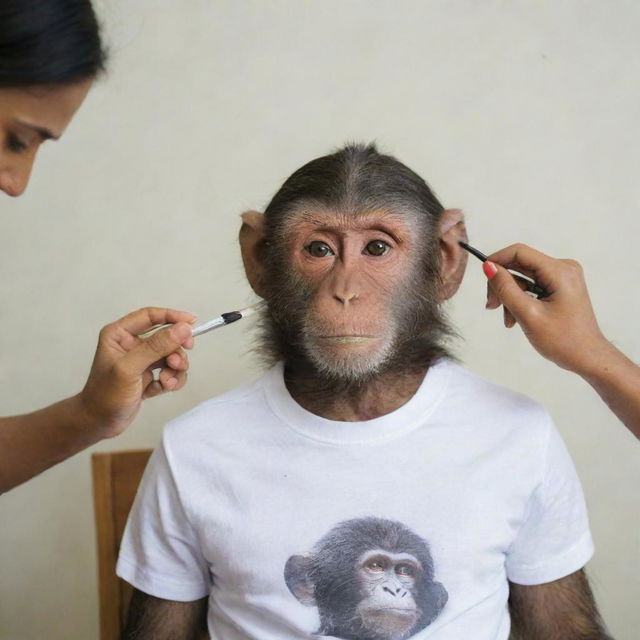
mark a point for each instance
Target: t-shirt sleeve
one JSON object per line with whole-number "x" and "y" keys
{"x": 554, "y": 539}
{"x": 160, "y": 554}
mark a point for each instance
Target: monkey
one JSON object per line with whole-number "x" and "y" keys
{"x": 355, "y": 257}
{"x": 371, "y": 579}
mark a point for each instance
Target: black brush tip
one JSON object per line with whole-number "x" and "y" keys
{"x": 232, "y": 316}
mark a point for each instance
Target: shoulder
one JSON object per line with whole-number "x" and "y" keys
{"x": 466, "y": 384}
{"x": 218, "y": 412}
{"x": 493, "y": 407}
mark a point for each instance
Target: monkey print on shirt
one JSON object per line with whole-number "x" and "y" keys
{"x": 371, "y": 579}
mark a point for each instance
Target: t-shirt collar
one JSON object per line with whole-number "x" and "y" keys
{"x": 415, "y": 412}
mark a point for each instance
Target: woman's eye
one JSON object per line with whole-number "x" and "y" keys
{"x": 377, "y": 248}
{"x": 319, "y": 249}
{"x": 14, "y": 144}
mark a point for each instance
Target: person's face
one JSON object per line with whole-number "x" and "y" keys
{"x": 28, "y": 117}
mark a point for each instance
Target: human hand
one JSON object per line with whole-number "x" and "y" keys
{"x": 122, "y": 377}
{"x": 561, "y": 327}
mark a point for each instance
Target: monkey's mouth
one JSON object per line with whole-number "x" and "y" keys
{"x": 390, "y": 621}
{"x": 346, "y": 354}
{"x": 397, "y": 611}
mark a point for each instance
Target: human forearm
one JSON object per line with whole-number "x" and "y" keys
{"x": 617, "y": 380}
{"x": 31, "y": 443}
{"x": 562, "y": 326}
{"x": 120, "y": 379}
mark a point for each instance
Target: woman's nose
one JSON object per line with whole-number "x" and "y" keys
{"x": 14, "y": 179}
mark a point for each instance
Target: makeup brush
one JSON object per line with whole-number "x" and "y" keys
{"x": 530, "y": 285}
{"x": 221, "y": 321}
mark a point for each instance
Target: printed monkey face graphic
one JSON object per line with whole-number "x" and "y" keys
{"x": 371, "y": 579}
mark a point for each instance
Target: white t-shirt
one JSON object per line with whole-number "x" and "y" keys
{"x": 291, "y": 524}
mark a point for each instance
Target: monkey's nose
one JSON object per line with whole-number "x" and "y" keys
{"x": 346, "y": 297}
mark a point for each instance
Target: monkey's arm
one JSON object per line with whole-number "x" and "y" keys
{"x": 560, "y": 610}
{"x": 151, "y": 617}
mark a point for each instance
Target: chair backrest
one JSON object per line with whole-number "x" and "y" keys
{"x": 115, "y": 481}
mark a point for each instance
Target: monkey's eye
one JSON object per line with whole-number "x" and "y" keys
{"x": 375, "y": 566}
{"x": 318, "y": 249}
{"x": 377, "y": 248}
{"x": 405, "y": 570}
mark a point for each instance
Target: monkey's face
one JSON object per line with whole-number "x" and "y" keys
{"x": 352, "y": 277}
{"x": 371, "y": 579}
{"x": 387, "y": 584}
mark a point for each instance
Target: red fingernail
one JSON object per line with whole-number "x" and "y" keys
{"x": 489, "y": 269}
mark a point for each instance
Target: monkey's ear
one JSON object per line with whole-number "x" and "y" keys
{"x": 252, "y": 244}
{"x": 436, "y": 597}
{"x": 296, "y": 575}
{"x": 453, "y": 258}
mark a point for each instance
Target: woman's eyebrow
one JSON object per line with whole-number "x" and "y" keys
{"x": 45, "y": 134}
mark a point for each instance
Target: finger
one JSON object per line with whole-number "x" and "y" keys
{"x": 147, "y": 379}
{"x": 154, "y": 348}
{"x": 143, "y": 319}
{"x": 509, "y": 320}
{"x": 507, "y": 290}
{"x": 521, "y": 282}
{"x": 178, "y": 360}
{"x": 493, "y": 302}
{"x": 524, "y": 259}
{"x": 182, "y": 380}
{"x": 165, "y": 380}
{"x": 169, "y": 379}
{"x": 152, "y": 390}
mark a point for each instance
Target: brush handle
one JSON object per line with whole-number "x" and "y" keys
{"x": 209, "y": 326}
{"x": 531, "y": 286}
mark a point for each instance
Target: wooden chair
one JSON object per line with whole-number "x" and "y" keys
{"x": 115, "y": 481}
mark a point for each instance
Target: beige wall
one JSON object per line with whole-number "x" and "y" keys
{"x": 523, "y": 113}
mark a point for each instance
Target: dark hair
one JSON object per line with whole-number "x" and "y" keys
{"x": 356, "y": 178}
{"x": 48, "y": 42}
